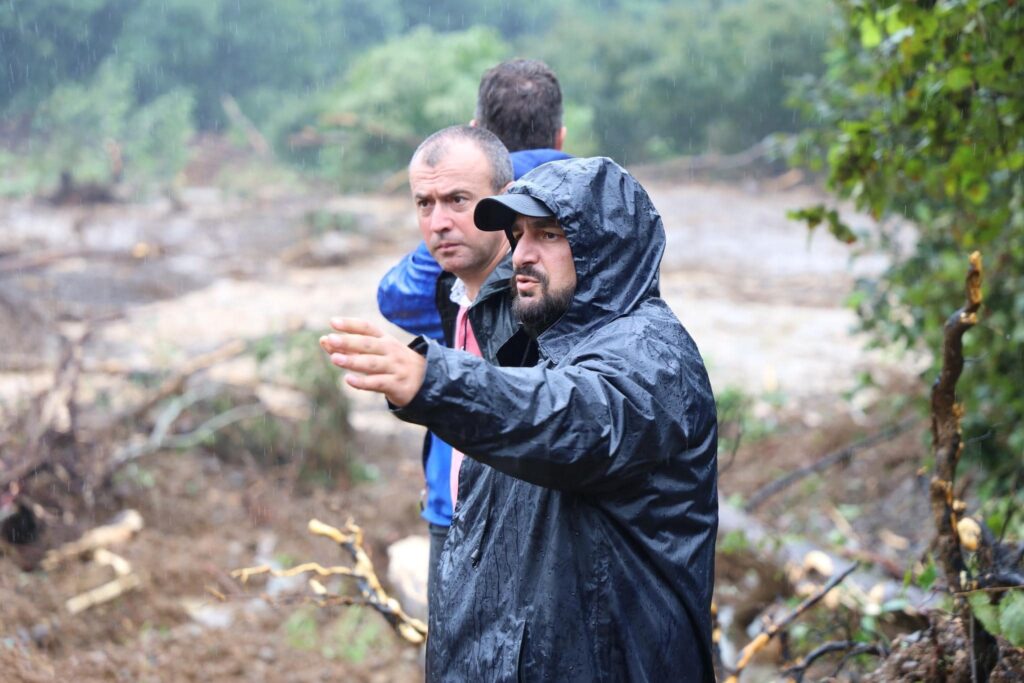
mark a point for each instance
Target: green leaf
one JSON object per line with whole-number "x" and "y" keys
{"x": 926, "y": 578}
{"x": 958, "y": 78}
{"x": 984, "y": 611}
{"x": 977, "y": 191}
{"x": 870, "y": 34}
{"x": 1011, "y": 617}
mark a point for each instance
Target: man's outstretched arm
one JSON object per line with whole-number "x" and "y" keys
{"x": 405, "y": 295}
{"x": 584, "y": 427}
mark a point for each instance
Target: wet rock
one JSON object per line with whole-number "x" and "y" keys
{"x": 42, "y": 635}
{"x": 208, "y": 615}
{"x": 407, "y": 573}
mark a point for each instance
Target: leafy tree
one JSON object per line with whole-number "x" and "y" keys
{"x": 665, "y": 79}
{"x": 89, "y": 129}
{"x": 223, "y": 47}
{"x": 47, "y": 43}
{"x": 920, "y": 117}
{"x": 75, "y": 125}
{"x": 395, "y": 95}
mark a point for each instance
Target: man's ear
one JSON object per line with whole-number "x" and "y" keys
{"x": 472, "y": 123}
{"x": 505, "y": 189}
{"x": 560, "y": 139}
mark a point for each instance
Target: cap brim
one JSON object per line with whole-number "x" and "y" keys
{"x": 499, "y": 213}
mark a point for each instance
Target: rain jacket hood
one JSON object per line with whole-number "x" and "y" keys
{"x": 582, "y": 544}
{"x": 617, "y": 240}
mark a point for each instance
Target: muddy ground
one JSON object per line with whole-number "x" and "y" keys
{"x": 164, "y": 283}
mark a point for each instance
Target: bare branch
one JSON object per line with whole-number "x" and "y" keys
{"x": 843, "y": 455}
{"x": 412, "y": 630}
{"x": 946, "y": 434}
{"x": 763, "y": 638}
{"x": 851, "y": 648}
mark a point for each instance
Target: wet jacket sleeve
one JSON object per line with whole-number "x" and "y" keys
{"x": 594, "y": 425}
{"x": 406, "y": 294}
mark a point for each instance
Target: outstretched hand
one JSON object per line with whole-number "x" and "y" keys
{"x": 375, "y": 361}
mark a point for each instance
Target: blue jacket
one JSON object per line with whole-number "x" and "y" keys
{"x": 406, "y": 297}
{"x": 583, "y": 546}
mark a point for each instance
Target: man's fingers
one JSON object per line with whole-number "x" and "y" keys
{"x": 355, "y": 343}
{"x": 378, "y": 383}
{"x": 364, "y": 363}
{"x": 356, "y": 326}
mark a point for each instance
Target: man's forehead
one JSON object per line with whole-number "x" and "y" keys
{"x": 448, "y": 176}
{"x": 545, "y": 222}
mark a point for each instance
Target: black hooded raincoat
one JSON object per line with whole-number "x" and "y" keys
{"x": 582, "y": 545}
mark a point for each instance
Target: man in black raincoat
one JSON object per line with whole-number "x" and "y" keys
{"x": 582, "y": 545}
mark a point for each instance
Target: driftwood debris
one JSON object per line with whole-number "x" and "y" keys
{"x": 53, "y": 459}
{"x": 373, "y": 594}
{"x": 126, "y": 524}
{"x": 94, "y": 545}
{"x": 124, "y": 581}
{"x": 773, "y": 629}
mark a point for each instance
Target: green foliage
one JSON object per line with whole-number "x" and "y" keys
{"x": 357, "y": 633}
{"x": 300, "y": 629}
{"x": 49, "y": 43}
{"x": 84, "y": 128}
{"x": 347, "y": 88}
{"x": 683, "y": 77}
{"x": 734, "y": 542}
{"x": 921, "y": 117}
{"x": 157, "y": 135}
{"x": 76, "y": 122}
{"x": 1001, "y": 614}
{"x": 399, "y": 92}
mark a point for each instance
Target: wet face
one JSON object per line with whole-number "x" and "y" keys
{"x": 544, "y": 278}
{"x": 445, "y": 195}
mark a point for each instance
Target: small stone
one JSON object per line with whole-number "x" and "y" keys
{"x": 408, "y": 561}
{"x": 908, "y": 666}
{"x": 267, "y": 654}
{"x": 42, "y": 634}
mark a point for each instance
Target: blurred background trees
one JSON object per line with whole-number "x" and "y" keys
{"x": 343, "y": 89}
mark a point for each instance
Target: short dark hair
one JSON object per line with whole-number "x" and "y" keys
{"x": 432, "y": 150}
{"x": 520, "y": 101}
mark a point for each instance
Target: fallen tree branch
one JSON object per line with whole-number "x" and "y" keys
{"x": 253, "y": 136}
{"x": 843, "y": 455}
{"x": 412, "y": 630}
{"x": 851, "y": 648}
{"x": 125, "y": 581}
{"x": 159, "y": 439}
{"x": 124, "y": 525}
{"x": 773, "y": 629}
{"x": 51, "y": 419}
{"x": 174, "y": 384}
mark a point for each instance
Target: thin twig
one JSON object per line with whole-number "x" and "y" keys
{"x": 158, "y": 439}
{"x": 851, "y": 648}
{"x": 843, "y": 455}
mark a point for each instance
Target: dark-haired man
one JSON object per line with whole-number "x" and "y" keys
{"x": 584, "y": 550}
{"x": 520, "y": 101}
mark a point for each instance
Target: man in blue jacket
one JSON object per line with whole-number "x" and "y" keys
{"x": 520, "y": 101}
{"x": 583, "y": 548}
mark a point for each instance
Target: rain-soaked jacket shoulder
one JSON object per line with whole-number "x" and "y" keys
{"x": 582, "y": 545}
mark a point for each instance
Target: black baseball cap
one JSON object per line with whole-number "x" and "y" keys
{"x": 499, "y": 212}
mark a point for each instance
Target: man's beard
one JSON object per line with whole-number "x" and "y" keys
{"x": 538, "y": 313}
